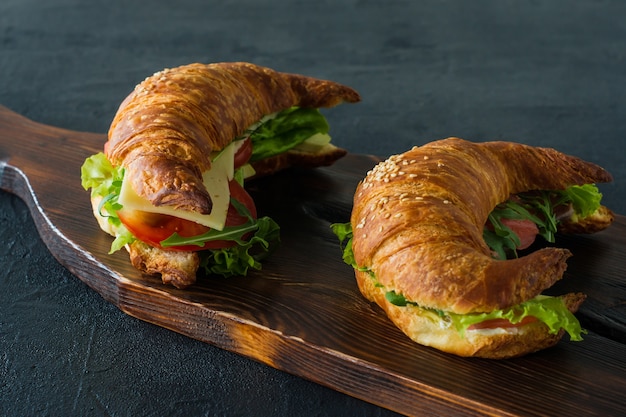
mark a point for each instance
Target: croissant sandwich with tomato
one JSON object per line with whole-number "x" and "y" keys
{"x": 434, "y": 237}
{"x": 169, "y": 185}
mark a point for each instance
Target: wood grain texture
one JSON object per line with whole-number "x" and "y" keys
{"x": 303, "y": 313}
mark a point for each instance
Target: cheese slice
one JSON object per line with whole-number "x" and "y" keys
{"x": 216, "y": 182}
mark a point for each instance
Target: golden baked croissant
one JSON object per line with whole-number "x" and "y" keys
{"x": 417, "y": 224}
{"x": 165, "y": 131}
{"x": 170, "y": 182}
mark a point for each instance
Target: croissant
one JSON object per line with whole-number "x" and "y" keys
{"x": 418, "y": 221}
{"x": 166, "y": 137}
{"x": 165, "y": 131}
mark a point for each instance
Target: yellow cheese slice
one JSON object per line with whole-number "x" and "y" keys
{"x": 216, "y": 182}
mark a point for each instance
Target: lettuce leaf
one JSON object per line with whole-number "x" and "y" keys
{"x": 286, "y": 130}
{"x": 550, "y": 310}
{"x": 237, "y": 260}
{"x": 105, "y": 182}
{"x": 584, "y": 198}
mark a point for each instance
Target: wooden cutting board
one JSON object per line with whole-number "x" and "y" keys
{"x": 303, "y": 313}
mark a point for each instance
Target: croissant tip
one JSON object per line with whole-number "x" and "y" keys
{"x": 185, "y": 201}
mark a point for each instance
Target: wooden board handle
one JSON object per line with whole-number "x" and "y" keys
{"x": 43, "y": 156}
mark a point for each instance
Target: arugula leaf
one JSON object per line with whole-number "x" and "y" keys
{"x": 397, "y": 299}
{"x": 287, "y": 129}
{"x": 230, "y": 233}
{"x": 502, "y": 240}
{"x": 238, "y": 259}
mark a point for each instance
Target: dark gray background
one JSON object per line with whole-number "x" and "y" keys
{"x": 544, "y": 73}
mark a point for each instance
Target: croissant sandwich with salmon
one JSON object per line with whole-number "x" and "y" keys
{"x": 439, "y": 238}
{"x": 170, "y": 183}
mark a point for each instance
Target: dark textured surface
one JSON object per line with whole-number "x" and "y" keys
{"x": 542, "y": 73}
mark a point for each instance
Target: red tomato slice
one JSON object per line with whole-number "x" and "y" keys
{"x": 153, "y": 228}
{"x": 526, "y": 230}
{"x": 243, "y": 154}
{"x": 501, "y": 323}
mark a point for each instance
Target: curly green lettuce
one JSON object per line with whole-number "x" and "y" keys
{"x": 105, "y": 182}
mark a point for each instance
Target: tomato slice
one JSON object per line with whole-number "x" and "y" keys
{"x": 501, "y": 323}
{"x": 243, "y": 154}
{"x": 153, "y": 228}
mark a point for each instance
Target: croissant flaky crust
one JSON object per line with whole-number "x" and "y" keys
{"x": 418, "y": 221}
{"x": 165, "y": 130}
